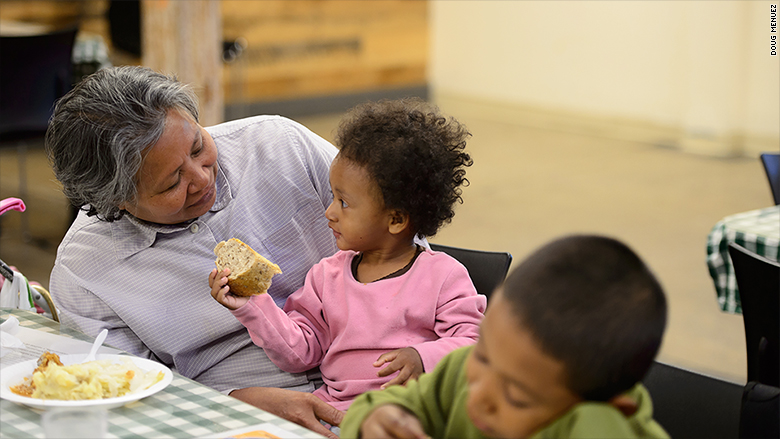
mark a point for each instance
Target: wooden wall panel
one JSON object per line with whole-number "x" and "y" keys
{"x": 324, "y": 47}
{"x": 295, "y": 49}
{"x": 49, "y": 12}
{"x": 53, "y": 14}
{"x": 184, "y": 38}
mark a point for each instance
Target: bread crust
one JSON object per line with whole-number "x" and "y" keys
{"x": 250, "y": 272}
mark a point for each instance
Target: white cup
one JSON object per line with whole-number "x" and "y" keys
{"x": 76, "y": 422}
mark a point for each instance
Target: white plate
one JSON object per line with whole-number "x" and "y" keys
{"x": 14, "y": 375}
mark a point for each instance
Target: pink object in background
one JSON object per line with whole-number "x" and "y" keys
{"x": 11, "y": 204}
{"x": 17, "y": 204}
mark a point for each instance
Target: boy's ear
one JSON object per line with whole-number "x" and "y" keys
{"x": 399, "y": 221}
{"x": 624, "y": 404}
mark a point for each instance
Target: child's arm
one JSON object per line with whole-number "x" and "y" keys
{"x": 295, "y": 338}
{"x": 436, "y": 400}
{"x": 393, "y": 421}
{"x": 459, "y": 311}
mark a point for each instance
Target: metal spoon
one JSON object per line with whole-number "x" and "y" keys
{"x": 96, "y": 345}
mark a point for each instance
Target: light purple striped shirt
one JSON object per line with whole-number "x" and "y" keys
{"x": 148, "y": 283}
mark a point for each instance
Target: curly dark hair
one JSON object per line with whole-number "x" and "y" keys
{"x": 414, "y": 154}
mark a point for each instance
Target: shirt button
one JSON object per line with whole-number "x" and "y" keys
{"x": 194, "y": 228}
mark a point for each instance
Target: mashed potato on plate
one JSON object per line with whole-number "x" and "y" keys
{"x": 92, "y": 380}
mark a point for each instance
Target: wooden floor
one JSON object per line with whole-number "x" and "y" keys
{"x": 529, "y": 186}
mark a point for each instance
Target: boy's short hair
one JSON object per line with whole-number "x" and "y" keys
{"x": 591, "y": 303}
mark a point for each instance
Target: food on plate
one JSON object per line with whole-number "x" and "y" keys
{"x": 250, "y": 272}
{"x": 91, "y": 380}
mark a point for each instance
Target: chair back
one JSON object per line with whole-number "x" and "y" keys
{"x": 771, "y": 164}
{"x": 35, "y": 71}
{"x": 760, "y": 415}
{"x": 486, "y": 269}
{"x": 758, "y": 280}
{"x": 692, "y": 405}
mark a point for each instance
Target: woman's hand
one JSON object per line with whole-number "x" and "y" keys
{"x": 302, "y": 408}
{"x": 392, "y": 421}
{"x": 220, "y": 290}
{"x": 407, "y": 360}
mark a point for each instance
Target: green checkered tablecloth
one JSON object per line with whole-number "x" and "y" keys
{"x": 184, "y": 409}
{"x": 757, "y": 231}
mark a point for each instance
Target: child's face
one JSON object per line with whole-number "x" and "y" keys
{"x": 514, "y": 387}
{"x": 357, "y": 214}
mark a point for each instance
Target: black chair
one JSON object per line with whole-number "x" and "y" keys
{"x": 760, "y": 415}
{"x": 771, "y": 164}
{"x": 487, "y": 269}
{"x": 690, "y": 405}
{"x": 758, "y": 280}
{"x": 35, "y": 71}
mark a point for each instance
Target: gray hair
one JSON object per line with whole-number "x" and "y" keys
{"x": 101, "y": 128}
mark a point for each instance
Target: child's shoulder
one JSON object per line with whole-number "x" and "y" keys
{"x": 337, "y": 259}
{"x": 599, "y": 419}
{"x": 439, "y": 256}
{"x": 439, "y": 261}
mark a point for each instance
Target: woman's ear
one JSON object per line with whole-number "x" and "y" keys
{"x": 399, "y": 221}
{"x": 625, "y": 404}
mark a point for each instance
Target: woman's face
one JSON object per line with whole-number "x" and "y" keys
{"x": 177, "y": 180}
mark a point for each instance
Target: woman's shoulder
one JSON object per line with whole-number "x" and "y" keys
{"x": 274, "y": 138}
{"x": 91, "y": 238}
{"x": 235, "y": 126}
{"x": 267, "y": 123}
{"x": 87, "y": 228}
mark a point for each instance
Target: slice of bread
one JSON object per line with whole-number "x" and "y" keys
{"x": 250, "y": 272}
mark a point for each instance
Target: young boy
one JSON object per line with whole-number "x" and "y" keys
{"x": 563, "y": 347}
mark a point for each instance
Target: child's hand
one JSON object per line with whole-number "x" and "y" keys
{"x": 220, "y": 290}
{"x": 407, "y": 360}
{"x": 392, "y": 421}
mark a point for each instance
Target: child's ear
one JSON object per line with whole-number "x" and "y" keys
{"x": 399, "y": 221}
{"x": 625, "y": 404}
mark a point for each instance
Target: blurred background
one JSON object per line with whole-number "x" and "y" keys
{"x": 639, "y": 120}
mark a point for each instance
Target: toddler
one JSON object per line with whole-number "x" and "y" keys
{"x": 382, "y": 299}
{"x": 562, "y": 351}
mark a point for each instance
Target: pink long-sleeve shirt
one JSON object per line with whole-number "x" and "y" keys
{"x": 343, "y": 326}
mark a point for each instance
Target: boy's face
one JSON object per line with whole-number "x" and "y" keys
{"x": 514, "y": 387}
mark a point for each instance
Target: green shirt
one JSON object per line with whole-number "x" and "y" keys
{"x": 438, "y": 399}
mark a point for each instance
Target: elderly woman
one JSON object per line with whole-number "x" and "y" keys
{"x": 157, "y": 192}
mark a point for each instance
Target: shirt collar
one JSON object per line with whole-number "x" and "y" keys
{"x": 131, "y": 235}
